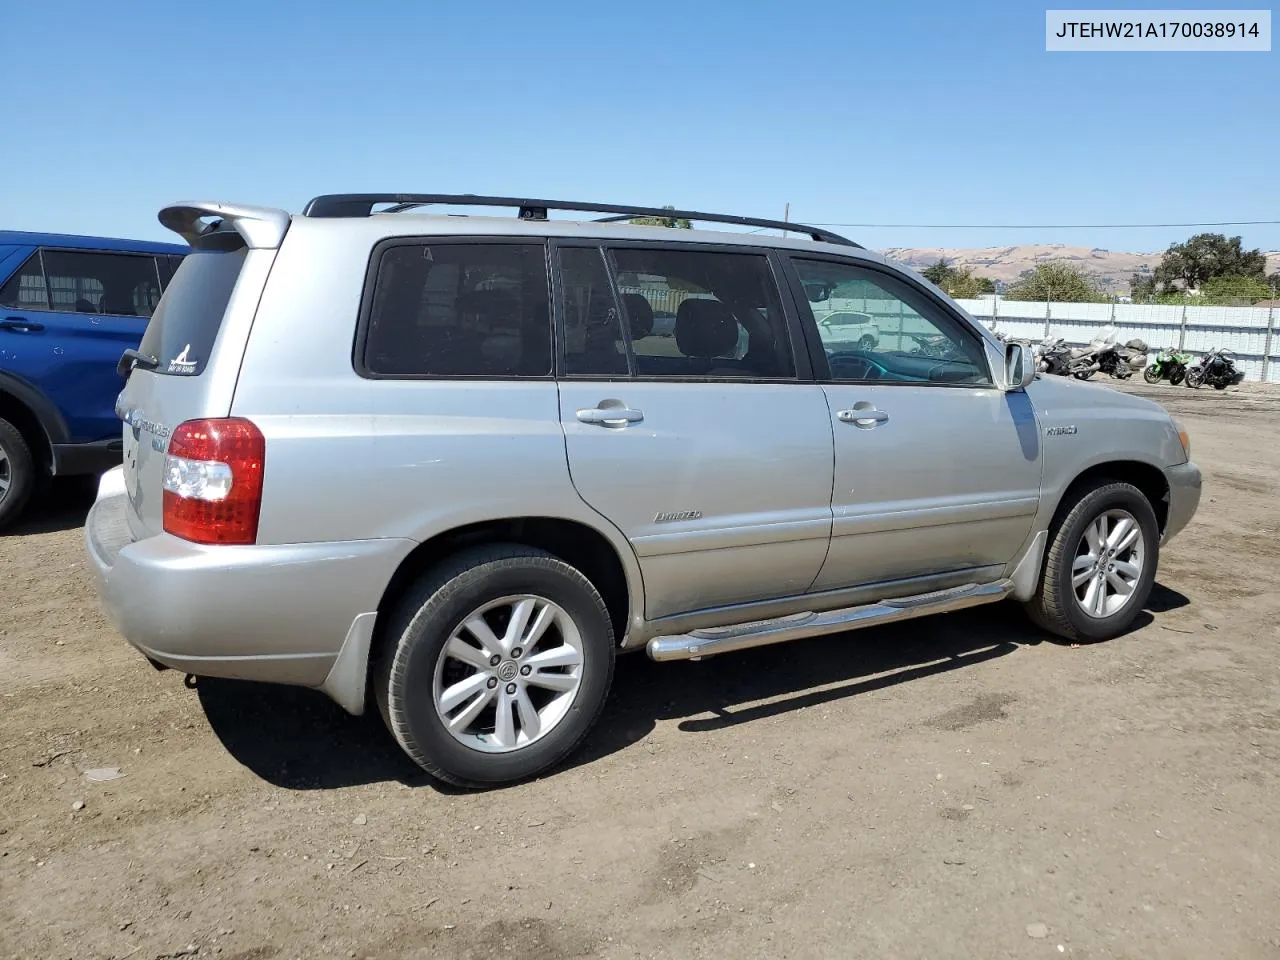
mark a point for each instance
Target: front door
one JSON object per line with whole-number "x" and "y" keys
{"x": 701, "y": 443}
{"x": 937, "y": 470}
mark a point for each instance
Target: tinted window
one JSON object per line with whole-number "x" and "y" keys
{"x": 25, "y": 290}
{"x": 168, "y": 267}
{"x": 460, "y": 310}
{"x": 107, "y": 284}
{"x": 593, "y": 341}
{"x": 874, "y": 326}
{"x": 181, "y": 334}
{"x": 697, "y": 314}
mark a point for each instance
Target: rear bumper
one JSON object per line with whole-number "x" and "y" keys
{"x": 274, "y": 613}
{"x": 1184, "y": 497}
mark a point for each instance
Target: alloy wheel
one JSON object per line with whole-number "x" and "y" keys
{"x": 508, "y": 674}
{"x": 1108, "y": 563}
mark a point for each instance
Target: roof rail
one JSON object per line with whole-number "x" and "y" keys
{"x": 362, "y": 204}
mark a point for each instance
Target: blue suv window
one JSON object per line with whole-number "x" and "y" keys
{"x": 105, "y": 284}
{"x": 25, "y": 290}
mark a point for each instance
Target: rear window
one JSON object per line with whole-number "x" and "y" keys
{"x": 186, "y": 323}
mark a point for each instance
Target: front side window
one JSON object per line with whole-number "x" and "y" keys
{"x": 106, "y": 284}
{"x": 459, "y": 310}
{"x": 874, "y": 326}
{"x": 695, "y": 313}
{"x": 25, "y": 290}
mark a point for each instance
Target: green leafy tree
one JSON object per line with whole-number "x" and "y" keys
{"x": 1056, "y": 281}
{"x": 1235, "y": 291}
{"x": 959, "y": 282}
{"x": 1142, "y": 286}
{"x": 679, "y": 223}
{"x": 1204, "y": 257}
{"x": 937, "y": 273}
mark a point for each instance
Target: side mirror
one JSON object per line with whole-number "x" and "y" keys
{"x": 1019, "y": 366}
{"x": 817, "y": 292}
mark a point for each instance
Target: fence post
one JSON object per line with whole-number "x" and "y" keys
{"x": 1266, "y": 347}
{"x": 1046, "y": 319}
{"x": 1182, "y": 329}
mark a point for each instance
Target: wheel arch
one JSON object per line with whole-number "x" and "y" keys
{"x": 1147, "y": 477}
{"x": 34, "y": 415}
{"x": 578, "y": 544}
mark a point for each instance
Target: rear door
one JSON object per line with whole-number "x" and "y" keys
{"x": 703, "y": 441}
{"x": 937, "y": 470}
{"x": 196, "y": 339}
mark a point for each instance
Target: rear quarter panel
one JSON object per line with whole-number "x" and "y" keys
{"x": 350, "y": 458}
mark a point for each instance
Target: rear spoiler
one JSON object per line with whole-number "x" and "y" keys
{"x": 261, "y": 227}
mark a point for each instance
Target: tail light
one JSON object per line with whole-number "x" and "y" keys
{"x": 213, "y": 481}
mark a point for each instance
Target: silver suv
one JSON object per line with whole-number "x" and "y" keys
{"x": 443, "y": 464}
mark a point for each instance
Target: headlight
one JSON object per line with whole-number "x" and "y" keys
{"x": 1183, "y": 436}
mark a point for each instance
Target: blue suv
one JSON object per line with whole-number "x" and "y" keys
{"x": 69, "y": 307}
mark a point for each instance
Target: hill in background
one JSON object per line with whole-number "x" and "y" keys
{"x": 1112, "y": 269}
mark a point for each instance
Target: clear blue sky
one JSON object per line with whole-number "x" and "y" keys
{"x": 926, "y": 112}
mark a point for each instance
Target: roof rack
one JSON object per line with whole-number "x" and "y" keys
{"x": 362, "y": 204}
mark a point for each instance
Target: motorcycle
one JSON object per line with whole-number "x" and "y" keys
{"x": 1105, "y": 355}
{"x": 1169, "y": 365}
{"x": 1216, "y": 368}
{"x": 1054, "y": 356}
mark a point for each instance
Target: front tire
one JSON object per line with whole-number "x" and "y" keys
{"x": 17, "y": 473}
{"x": 1100, "y": 564}
{"x": 496, "y": 666}
{"x": 1151, "y": 375}
{"x": 1195, "y": 377}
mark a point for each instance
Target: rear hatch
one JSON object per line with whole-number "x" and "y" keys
{"x": 192, "y": 349}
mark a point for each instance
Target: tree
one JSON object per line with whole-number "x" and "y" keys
{"x": 1055, "y": 281}
{"x": 937, "y": 273}
{"x": 1142, "y": 286}
{"x": 1204, "y": 257}
{"x": 679, "y": 223}
{"x": 1235, "y": 291}
{"x": 959, "y": 282}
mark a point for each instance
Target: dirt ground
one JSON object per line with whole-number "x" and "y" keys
{"x": 950, "y": 787}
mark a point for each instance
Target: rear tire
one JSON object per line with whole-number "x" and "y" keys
{"x": 1058, "y": 605}
{"x": 1177, "y": 375}
{"x": 434, "y": 672}
{"x": 17, "y": 473}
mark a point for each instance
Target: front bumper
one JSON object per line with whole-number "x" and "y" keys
{"x": 274, "y": 613}
{"x": 1184, "y": 497}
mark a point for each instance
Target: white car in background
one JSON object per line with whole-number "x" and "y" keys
{"x": 850, "y": 327}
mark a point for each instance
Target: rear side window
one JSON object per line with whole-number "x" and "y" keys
{"x": 702, "y": 314}
{"x": 25, "y": 290}
{"x": 458, "y": 310}
{"x": 105, "y": 284}
{"x": 186, "y": 323}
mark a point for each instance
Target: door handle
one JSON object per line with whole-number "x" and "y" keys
{"x": 863, "y": 417}
{"x": 20, "y": 325}
{"x": 610, "y": 416}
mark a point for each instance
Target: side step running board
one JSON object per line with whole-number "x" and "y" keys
{"x": 706, "y": 643}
